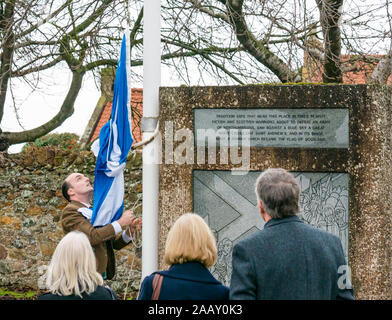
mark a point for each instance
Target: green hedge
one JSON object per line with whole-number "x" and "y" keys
{"x": 65, "y": 141}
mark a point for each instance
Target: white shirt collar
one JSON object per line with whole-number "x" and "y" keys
{"x": 86, "y": 211}
{"x": 86, "y": 204}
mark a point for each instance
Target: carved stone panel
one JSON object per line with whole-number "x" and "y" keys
{"x": 228, "y": 204}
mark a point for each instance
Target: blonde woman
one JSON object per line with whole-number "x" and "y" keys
{"x": 72, "y": 272}
{"x": 190, "y": 251}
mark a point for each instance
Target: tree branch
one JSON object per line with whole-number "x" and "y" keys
{"x": 67, "y": 109}
{"x": 198, "y": 5}
{"x": 45, "y": 66}
{"x": 260, "y": 52}
{"x": 230, "y": 74}
{"x": 136, "y": 27}
{"x": 66, "y": 50}
{"x": 43, "y": 21}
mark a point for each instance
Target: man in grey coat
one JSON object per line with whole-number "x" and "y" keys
{"x": 288, "y": 259}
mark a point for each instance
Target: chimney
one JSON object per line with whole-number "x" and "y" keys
{"x": 107, "y": 90}
{"x": 107, "y": 82}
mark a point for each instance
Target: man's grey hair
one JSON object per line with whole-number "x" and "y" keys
{"x": 278, "y": 192}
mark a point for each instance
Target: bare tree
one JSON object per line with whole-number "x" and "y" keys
{"x": 269, "y": 40}
{"x": 83, "y": 35}
{"x": 203, "y": 42}
{"x": 37, "y": 35}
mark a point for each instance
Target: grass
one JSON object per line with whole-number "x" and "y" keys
{"x": 28, "y": 294}
{"x": 5, "y": 294}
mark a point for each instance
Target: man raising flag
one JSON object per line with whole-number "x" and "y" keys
{"x": 104, "y": 223}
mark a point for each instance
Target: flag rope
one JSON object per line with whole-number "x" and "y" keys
{"x": 147, "y": 141}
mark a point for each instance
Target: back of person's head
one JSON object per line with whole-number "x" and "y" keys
{"x": 278, "y": 192}
{"x": 72, "y": 269}
{"x": 190, "y": 239}
{"x": 64, "y": 189}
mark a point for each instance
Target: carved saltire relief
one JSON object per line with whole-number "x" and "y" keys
{"x": 228, "y": 204}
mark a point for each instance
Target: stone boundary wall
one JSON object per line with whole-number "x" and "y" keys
{"x": 30, "y": 207}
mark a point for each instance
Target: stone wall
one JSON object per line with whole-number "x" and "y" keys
{"x": 30, "y": 209}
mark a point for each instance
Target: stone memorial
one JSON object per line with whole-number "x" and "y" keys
{"x": 335, "y": 140}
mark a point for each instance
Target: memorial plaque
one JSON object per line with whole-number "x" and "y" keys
{"x": 228, "y": 204}
{"x": 286, "y": 128}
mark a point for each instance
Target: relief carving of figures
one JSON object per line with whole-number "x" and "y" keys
{"x": 325, "y": 206}
{"x": 222, "y": 267}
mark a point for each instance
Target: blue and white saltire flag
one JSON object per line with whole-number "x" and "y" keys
{"x": 111, "y": 150}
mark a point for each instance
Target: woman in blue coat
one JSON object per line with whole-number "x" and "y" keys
{"x": 190, "y": 250}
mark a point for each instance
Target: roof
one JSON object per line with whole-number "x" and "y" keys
{"x": 97, "y": 121}
{"x": 362, "y": 67}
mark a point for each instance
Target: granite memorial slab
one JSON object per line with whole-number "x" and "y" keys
{"x": 344, "y": 167}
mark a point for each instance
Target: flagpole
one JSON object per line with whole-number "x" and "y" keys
{"x": 151, "y": 83}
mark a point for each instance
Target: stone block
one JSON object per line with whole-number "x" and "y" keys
{"x": 3, "y": 252}
{"x": 47, "y": 247}
{"x": 5, "y": 220}
{"x": 34, "y": 211}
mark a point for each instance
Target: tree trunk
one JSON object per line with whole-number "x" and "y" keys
{"x": 255, "y": 47}
{"x": 8, "y": 36}
{"x": 330, "y": 12}
{"x": 382, "y": 71}
{"x": 67, "y": 109}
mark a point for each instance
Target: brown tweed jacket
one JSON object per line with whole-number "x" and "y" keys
{"x": 103, "y": 240}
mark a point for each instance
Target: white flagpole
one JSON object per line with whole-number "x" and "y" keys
{"x": 151, "y": 83}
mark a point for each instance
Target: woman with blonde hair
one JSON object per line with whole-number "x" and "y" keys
{"x": 190, "y": 250}
{"x": 72, "y": 272}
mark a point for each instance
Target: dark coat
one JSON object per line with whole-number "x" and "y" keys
{"x": 288, "y": 259}
{"x": 187, "y": 281}
{"x": 103, "y": 240}
{"x": 101, "y": 293}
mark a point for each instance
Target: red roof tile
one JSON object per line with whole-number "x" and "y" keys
{"x": 137, "y": 113}
{"x": 313, "y": 73}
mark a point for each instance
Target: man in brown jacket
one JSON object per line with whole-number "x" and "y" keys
{"x": 76, "y": 215}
